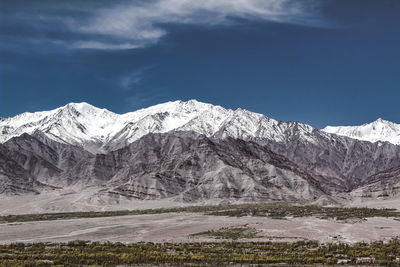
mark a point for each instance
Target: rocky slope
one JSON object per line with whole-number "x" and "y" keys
{"x": 14, "y": 179}
{"x": 342, "y": 163}
{"x": 382, "y": 185}
{"x": 192, "y": 167}
{"x": 184, "y": 165}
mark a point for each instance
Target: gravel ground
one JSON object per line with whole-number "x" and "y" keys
{"x": 177, "y": 227}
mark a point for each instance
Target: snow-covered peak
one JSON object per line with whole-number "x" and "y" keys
{"x": 74, "y": 123}
{"x": 100, "y": 130}
{"x": 181, "y": 107}
{"x": 86, "y": 110}
{"x": 379, "y": 130}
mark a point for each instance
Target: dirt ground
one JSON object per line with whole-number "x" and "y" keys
{"x": 177, "y": 227}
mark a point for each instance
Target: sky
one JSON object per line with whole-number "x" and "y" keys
{"x": 320, "y": 62}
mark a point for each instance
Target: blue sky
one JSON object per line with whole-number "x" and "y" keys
{"x": 321, "y": 62}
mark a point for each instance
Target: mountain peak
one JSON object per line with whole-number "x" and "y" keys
{"x": 84, "y": 107}
{"x": 383, "y": 122}
{"x": 378, "y": 130}
{"x": 79, "y": 105}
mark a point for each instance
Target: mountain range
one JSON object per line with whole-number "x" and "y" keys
{"x": 192, "y": 151}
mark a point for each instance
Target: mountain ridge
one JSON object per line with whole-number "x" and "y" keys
{"x": 99, "y": 129}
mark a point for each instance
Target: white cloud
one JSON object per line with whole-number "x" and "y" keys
{"x": 140, "y": 23}
{"x": 134, "y": 78}
{"x": 103, "y": 45}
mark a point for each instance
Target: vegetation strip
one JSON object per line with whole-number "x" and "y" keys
{"x": 81, "y": 253}
{"x": 273, "y": 210}
{"x": 229, "y": 233}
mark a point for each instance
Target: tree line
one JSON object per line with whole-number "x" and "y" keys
{"x": 82, "y": 253}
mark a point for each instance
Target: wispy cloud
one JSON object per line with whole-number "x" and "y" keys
{"x": 134, "y": 78}
{"x": 103, "y": 45}
{"x": 140, "y": 23}
{"x": 133, "y": 24}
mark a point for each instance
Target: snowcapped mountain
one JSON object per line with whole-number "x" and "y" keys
{"x": 379, "y": 130}
{"x": 76, "y": 124}
{"x": 192, "y": 151}
{"x": 100, "y": 130}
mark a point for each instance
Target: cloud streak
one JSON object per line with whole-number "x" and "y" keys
{"x": 134, "y": 78}
{"x": 140, "y": 23}
{"x": 104, "y": 45}
{"x": 120, "y": 25}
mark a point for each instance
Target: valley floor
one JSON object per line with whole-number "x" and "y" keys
{"x": 70, "y": 200}
{"x": 185, "y": 227}
{"x": 246, "y": 234}
{"x": 89, "y": 199}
